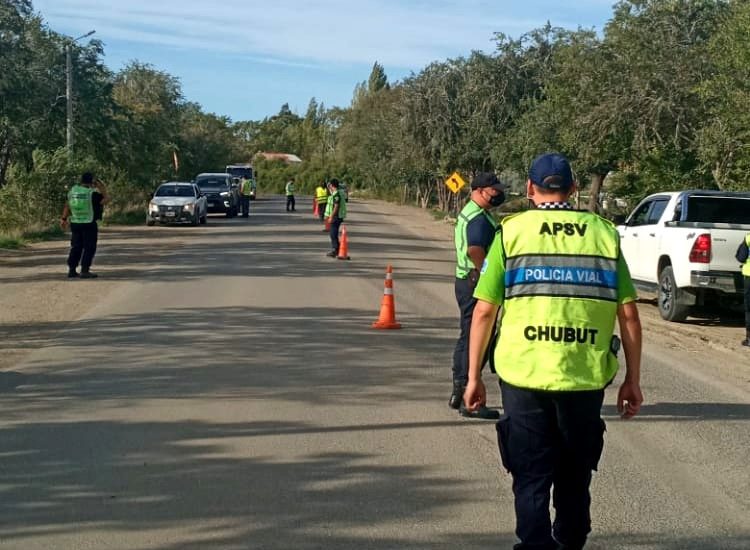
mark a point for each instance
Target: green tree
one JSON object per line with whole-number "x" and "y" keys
{"x": 724, "y": 142}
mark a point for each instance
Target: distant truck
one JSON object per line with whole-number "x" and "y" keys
{"x": 683, "y": 245}
{"x": 238, "y": 171}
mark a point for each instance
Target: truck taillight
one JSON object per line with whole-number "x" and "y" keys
{"x": 701, "y": 251}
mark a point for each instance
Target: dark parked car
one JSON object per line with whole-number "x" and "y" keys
{"x": 221, "y": 193}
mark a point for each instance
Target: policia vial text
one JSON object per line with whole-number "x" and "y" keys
{"x": 567, "y": 335}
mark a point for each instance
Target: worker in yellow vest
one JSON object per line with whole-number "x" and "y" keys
{"x": 475, "y": 230}
{"x": 82, "y": 211}
{"x": 321, "y": 198}
{"x": 289, "y": 190}
{"x": 247, "y": 188}
{"x": 335, "y": 214}
{"x": 561, "y": 280}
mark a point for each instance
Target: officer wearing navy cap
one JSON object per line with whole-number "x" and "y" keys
{"x": 561, "y": 280}
{"x": 474, "y": 233}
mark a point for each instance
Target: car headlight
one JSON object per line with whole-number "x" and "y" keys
{"x": 188, "y": 207}
{"x": 153, "y": 207}
{"x": 224, "y": 193}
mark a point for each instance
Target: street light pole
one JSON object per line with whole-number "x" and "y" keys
{"x": 69, "y": 90}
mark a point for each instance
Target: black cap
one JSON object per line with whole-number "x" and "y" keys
{"x": 487, "y": 179}
{"x": 551, "y": 171}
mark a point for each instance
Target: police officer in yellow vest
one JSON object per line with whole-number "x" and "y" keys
{"x": 474, "y": 233}
{"x": 321, "y": 197}
{"x": 335, "y": 215}
{"x": 743, "y": 256}
{"x": 247, "y": 187}
{"x": 82, "y": 211}
{"x": 561, "y": 281}
{"x": 289, "y": 190}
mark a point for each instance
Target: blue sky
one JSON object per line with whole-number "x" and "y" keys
{"x": 244, "y": 59}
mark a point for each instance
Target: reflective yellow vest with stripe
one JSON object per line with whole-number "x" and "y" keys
{"x": 81, "y": 204}
{"x": 289, "y": 189}
{"x": 746, "y": 265}
{"x": 560, "y": 306}
{"x": 321, "y": 195}
{"x": 468, "y": 213}
{"x": 246, "y": 187}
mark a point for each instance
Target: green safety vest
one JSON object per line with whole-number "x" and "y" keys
{"x": 561, "y": 299}
{"x": 342, "y": 205}
{"x": 81, "y": 204}
{"x": 289, "y": 189}
{"x": 246, "y": 187}
{"x": 469, "y": 212}
{"x": 746, "y": 265}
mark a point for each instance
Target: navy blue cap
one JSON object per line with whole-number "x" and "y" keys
{"x": 487, "y": 179}
{"x": 551, "y": 171}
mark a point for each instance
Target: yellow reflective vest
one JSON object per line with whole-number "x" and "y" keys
{"x": 558, "y": 284}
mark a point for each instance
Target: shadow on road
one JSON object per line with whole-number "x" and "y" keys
{"x": 201, "y": 478}
{"x": 670, "y": 412}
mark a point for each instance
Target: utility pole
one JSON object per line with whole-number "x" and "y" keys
{"x": 69, "y": 90}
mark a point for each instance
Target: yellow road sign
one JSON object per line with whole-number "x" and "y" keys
{"x": 455, "y": 182}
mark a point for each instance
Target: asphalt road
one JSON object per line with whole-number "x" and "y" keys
{"x": 229, "y": 393}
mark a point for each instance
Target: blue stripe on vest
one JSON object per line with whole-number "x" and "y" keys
{"x": 563, "y": 275}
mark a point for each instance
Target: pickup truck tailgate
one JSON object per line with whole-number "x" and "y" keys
{"x": 724, "y": 243}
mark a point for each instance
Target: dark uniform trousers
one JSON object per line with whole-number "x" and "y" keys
{"x": 335, "y": 225}
{"x": 245, "y": 204}
{"x": 290, "y": 203}
{"x": 551, "y": 440}
{"x": 466, "y": 302}
{"x": 82, "y": 245}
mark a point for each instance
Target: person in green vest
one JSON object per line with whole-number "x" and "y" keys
{"x": 289, "y": 190}
{"x": 561, "y": 280}
{"x": 321, "y": 198}
{"x": 475, "y": 230}
{"x": 335, "y": 215}
{"x": 82, "y": 211}
{"x": 246, "y": 190}
{"x": 743, "y": 256}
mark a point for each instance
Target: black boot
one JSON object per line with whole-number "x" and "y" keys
{"x": 457, "y": 396}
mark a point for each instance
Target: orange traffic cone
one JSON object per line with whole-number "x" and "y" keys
{"x": 343, "y": 245}
{"x": 387, "y": 319}
{"x": 315, "y": 208}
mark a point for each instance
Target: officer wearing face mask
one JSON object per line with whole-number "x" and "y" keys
{"x": 475, "y": 231}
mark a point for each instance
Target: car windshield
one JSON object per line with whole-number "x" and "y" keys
{"x": 240, "y": 171}
{"x": 175, "y": 191}
{"x": 212, "y": 182}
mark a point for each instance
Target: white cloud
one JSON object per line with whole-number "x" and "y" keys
{"x": 398, "y": 34}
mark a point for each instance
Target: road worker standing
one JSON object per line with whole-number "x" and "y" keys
{"x": 321, "y": 198}
{"x": 561, "y": 280}
{"x": 474, "y": 233}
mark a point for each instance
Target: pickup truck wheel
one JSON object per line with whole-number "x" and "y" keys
{"x": 671, "y": 306}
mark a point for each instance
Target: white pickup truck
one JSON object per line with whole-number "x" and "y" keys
{"x": 683, "y": 243}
